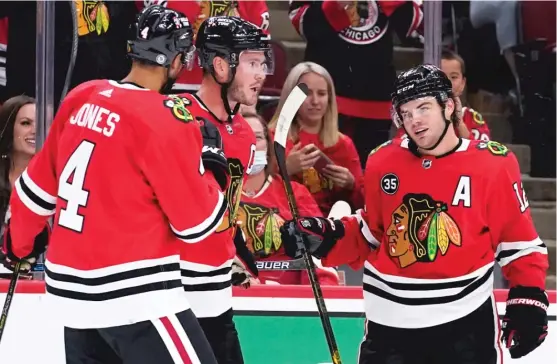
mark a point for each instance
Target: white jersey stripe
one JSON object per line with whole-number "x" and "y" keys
{"x": 417, "y": 304}
{"x": 521, "y": 253}
{"x": 119, "y": 268}
{"x": 184, "y": 339}
{"x": 112, "y": 286}
{"x": 45, "y": 196}
{"x": 167, "y": 340}
{"x": 497, "y": 326}
{"x": 517, "y": 245}
{"x": 206, "y": 227}
{"x": 29, "y": 203}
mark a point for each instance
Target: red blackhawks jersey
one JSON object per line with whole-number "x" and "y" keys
{"x": 123, "y": 177}
{"x": 260, "y": 217}
{"x": 474, "y": 122}
{"x": 206, "y": 268}
{"x": 433, "y": 228}
{"x": 254, "y": 11}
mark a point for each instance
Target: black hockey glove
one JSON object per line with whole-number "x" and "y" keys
{"x": 39, "y": 247}
{"x": 213, "y": 155}
{"x": 244, "y": 270}
{"x": 525, "y": 322}
{"x": 316, "y": 234}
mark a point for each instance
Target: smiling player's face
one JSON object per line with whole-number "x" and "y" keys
{"x": 423, "y": 120}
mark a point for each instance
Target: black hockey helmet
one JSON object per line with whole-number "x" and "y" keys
{"x": 421, "y": 81}
{"x": 227, "y": 37}
{"x": 159, "y": 35}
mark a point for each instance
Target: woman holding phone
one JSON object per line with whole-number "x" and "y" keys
{"x": 318, "y": 155}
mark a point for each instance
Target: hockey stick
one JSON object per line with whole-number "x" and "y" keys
{"x": 287, "y": 114}
{"x": 9, "y": 297}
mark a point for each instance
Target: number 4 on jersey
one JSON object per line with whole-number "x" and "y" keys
{"x": 70, "y": 187}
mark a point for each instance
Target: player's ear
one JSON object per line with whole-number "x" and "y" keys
{"x": 176, "y": 66}
{"x": 221, "y": 69}
{"x": 449, "y": 108}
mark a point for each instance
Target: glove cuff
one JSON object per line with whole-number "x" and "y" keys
{"x": 528, "y": 296}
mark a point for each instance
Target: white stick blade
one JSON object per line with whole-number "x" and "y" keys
{"x": 288, "y": 112}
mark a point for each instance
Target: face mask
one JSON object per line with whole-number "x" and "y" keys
{"x": 259, "y": 162}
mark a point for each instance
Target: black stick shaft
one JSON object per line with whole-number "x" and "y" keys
{"x": 9, "y": 297}
{"x": 310, "y": 265}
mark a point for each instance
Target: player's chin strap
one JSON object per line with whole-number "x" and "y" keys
{"x": 224, "y": 93}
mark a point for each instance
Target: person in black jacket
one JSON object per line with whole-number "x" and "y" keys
{"x": 353, "y": 40}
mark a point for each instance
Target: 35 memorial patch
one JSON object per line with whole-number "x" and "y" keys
{"x": 178, "y": 107}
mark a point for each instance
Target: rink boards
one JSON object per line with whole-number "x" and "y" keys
{"x": 277, "y": 325}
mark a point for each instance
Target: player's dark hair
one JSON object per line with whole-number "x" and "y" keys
{"x": 8, "y": 113}
{"x": 450, "y": 55}
{"x": 271, "y": 160}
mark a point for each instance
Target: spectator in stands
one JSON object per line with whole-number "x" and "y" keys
{"x": 318, "y": 155}
{"x": 472, "y": 125}
{"x": 254, "y": 11}
{"x": 504, "y": 15}
{"x": 264, "y": 208}
{"x": 355, "y": 44}
{"x": 17, "y": 147}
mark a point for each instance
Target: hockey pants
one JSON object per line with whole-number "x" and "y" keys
{"x": 223, "y": 337}
{"x": 172, "y": 339}
{"x": 473, "y": 339}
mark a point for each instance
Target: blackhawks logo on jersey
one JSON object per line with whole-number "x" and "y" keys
{"x": 315, "y": 181}
{"x": 388, "y": 142}
{"x": 421, "y": 229}
{"x": 261, "y": 226}
{"x": 494, "y": 148}
{"x": 177, "y": 106}
{"x": 233, "y": 193}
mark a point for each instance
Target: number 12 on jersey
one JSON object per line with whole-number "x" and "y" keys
{"x": 70, "y": 186}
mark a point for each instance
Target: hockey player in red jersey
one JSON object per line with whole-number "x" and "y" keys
{"x": 123, "y": 175}
{"x": 440, "y": 210}
{"x": 236, "y": 57}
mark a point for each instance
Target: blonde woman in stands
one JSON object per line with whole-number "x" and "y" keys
{"x": 318, "y": 155}
{"x": 264, "y": 208}
{"x": 17, "y": 147}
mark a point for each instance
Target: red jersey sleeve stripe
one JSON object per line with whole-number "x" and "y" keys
{"x": 297, "y": 18}
{"x": 417, "y": 18}
{"x": 34, "y": 197}
{"x": 509, "y": 251}
{"x": 205, "y": 228}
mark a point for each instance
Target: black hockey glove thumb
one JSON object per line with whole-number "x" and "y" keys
{"x": 213, "y": 155}
{"x": 525, "y": 322}
{"x": 39, "y": 247}
{"x": 318, "y": 235}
